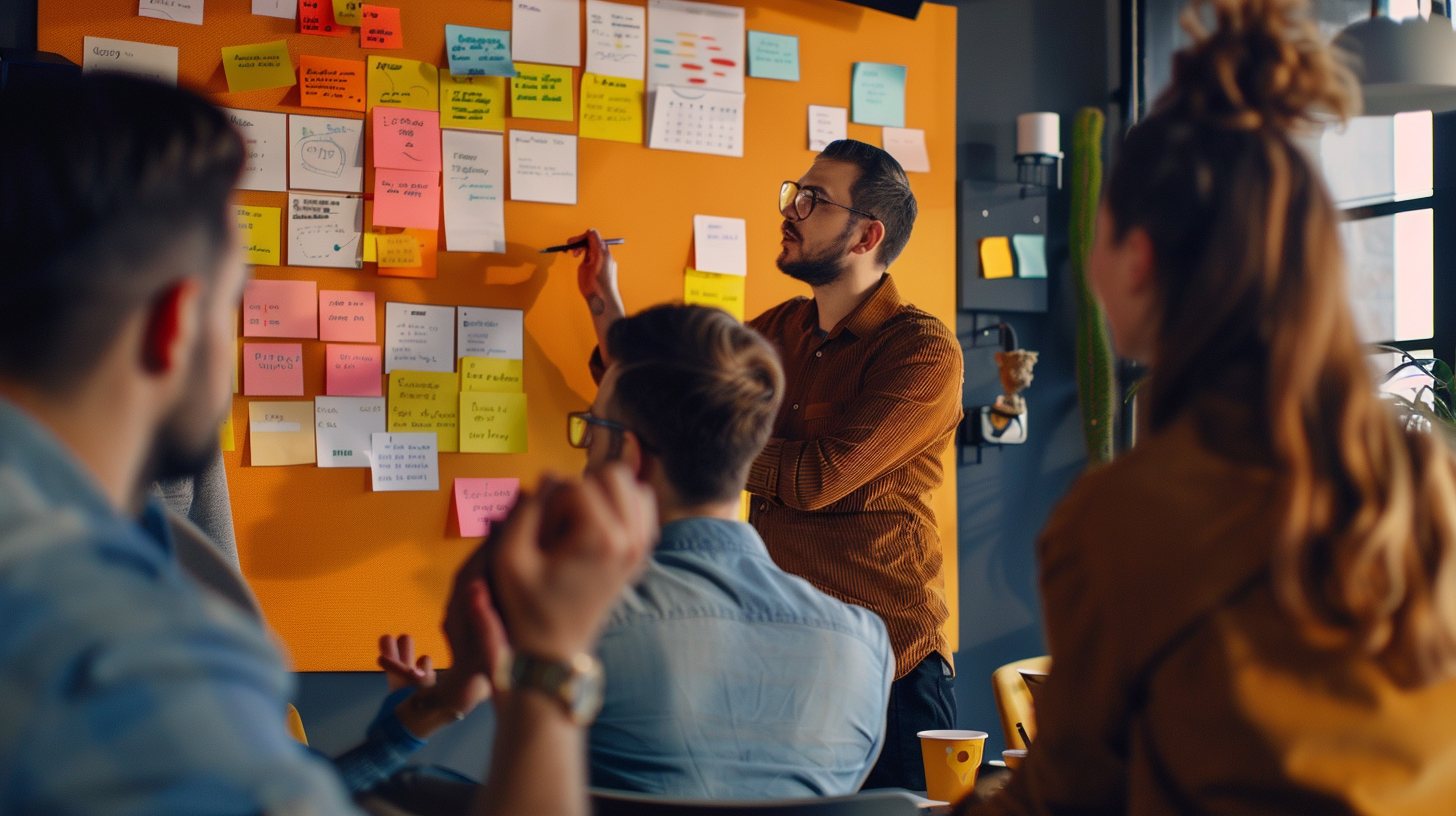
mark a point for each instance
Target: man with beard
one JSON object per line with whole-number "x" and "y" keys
{"x": 841, "y": 492}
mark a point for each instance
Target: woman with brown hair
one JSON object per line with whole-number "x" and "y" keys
{"x": 1254, "y": 611}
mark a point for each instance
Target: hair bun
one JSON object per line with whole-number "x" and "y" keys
{"x": 1264, "y": 65}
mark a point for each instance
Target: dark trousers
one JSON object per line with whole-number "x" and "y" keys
{"x": 922, "y": 700}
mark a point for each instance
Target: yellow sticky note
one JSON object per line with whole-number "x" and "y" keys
{"x": 541, "y": 92}
{"x": 611, "y": 108}
{"x": 996, "y": 257}
{"x": 490, "y": 374}
{"x": 472, "y": 102}
{"x": 261, "y": 65}
{"x": 347, "y": 12}
{"x": 492, "y": 423}
{"x": 261, "y": 231}
{"x": 398, "y": 250}
{"x": 371, "y": 247}
{"x": 226, "y": 440}
{"x": 403, "y": 83}
{"x": 424, "y": 401}
{"x": 281, "y": 433}
{"x": 712, "y": 289}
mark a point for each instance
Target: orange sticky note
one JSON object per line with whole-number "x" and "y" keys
{"x": 996, "y": 257}
{"x": 280, "y": 308}
{"x": 400, "y": 250}
{"x": 317, "y": 17}
{"x": 273, "y": 369}
{"x": 257, "y": 66}
{"x": 353, "y": 371}
{"x": 381, "y": 28}
{"x": 325, "y": 82}
{"x": 406, "y": 198}
{"x": 346, "y": 316}
{"x": 429, "y": 242}
{"x": 406, "y": 139}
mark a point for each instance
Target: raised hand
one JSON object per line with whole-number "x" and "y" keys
{"x": 596, "y": 278}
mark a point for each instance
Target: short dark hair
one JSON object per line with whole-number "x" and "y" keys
{"x": 882, "y": 189}
{"x": 111, "y": 188}
{"x": 702, "y": 392}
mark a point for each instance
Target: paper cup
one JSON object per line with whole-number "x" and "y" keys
{"x": 952, "y": 760}
{"x": 1013, "y": 757}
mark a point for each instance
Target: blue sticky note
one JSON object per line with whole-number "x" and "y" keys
{"x": 1030, "y": 255}
{"x": 773, "y": 56}
{"x": 878, "y": 95}
{"x": 478, "y": 51}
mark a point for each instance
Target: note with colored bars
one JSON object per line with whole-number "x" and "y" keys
{"x": 280, "y": 308}
{"x": 488, "y": 374}
{"x": 475, "y": 218}
{"x": 344, "y": 428}
{"x": 346, "y": 316}
{"x": 541, "y": 92}
{"x": 425, "y": 401}
{"x": 478, "y": 502}
{"x": 325, "y": 82}
{"x": 698, "y": 45}
{"x": 405, "y": 461}
{"x": 257, "y": 66}
{"x": 265, "y": 143}
{"x": 273, "y": 369}
{"x": 478, "y": 51}
{"x": 403, "y": 83}
{"x": 281, "y": 433}
{"x": 611, "y": 109}
{"x": 492, "y": 422}
{"x": 477, "y": 102}
{"x": 711, "y": 289}
{"x": 262, "y": 234}
{"x": 155, "y": 62}
{"x": 353, "y": 370}
{"x": 419, "y": 337}
{"x": 324, "y": 230}
{"x": 326, "y": 154}
{"x": 487, "y": 332}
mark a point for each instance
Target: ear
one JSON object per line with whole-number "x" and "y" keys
{"x": 871, "y": 235}
{"x": 1137, "y": 249}
{"x": 171, "y": 325}
{"x": 634, "y": 457}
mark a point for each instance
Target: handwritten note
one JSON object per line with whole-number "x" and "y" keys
{"x": 317, "y": 17}
{"x": 492, "y": 422}
{"x": 773, "y": 56}
{"x": 546, "y": 31}
{"x": 877, "y": 94}
{"x": 719, "y": 291}
{"x": 407, "y": 198}
{"x": 496, "y": 376}
{"x": 478, "y": 502}
{"x": 543, "y": 167}
{"x": 156, "y": 62}
{"x": 282, "y": 9}
{"x": 428, "y": 243}
{"x": 697, "y": 121}
{"x": 273, "y": 369}
{"x": 399, "y": 250}
{"x": 405, "y": 461}
{"x": 616, "y": 39}
{"x": 261, "y": 233}
{"x": 280, "y": 308}
{"x": 721, "y": 244}
{"x": 485, "y": 332}
{"x": 261, "y": 65}
{"x": 477, "y": 102}
{"x": 348, "y": 12}
{"x": 419, "y": 337}
{"x": 478, "y": 51}
{"x": 406, "y": 139}
{"x": 695, "y": 45}
{"x": 178, "y": 11}
{"x": 326, "y": 154}
{"x": 346, "y": 317}
{"x": 475, "y": 219}
{"x": 907, "y": 145}
{"x": 281, "y": 433}
{"x": 344, "y": 428}
{"x": 611, "y": 108}
{"x": 381, "y": 28}
{"x": 352, "y": 370}
{"x": 324, "y": 82}
{"x": 324, "y": 230}
{"x": 421, "y": 401}
{"x": 827, "y": 124}
{"x": 265, "y": 143}
{"x": 541, "y": 92}
{"x": 403, "y": 83}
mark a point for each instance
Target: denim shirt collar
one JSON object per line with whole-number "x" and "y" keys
{"x": 702, "y": 534}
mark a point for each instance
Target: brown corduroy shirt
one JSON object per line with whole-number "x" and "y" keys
{"x": 841, "y": 493}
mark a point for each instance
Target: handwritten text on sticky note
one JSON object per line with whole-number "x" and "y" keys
{"x": 262, "y": 65}
{"x": 492, "y": 422}
{"x": 353, "y": 370}
{"x": 273, "y": 369}
{"x": 261, "y": 233}
{"x": 407, "y": 198}
{"x": 280, "y": 308}
{"x": 405, "y": 461}
{"x": 325, "y": 82}
{"x": 478, "y": 502}
{"x": 425, "y": 401}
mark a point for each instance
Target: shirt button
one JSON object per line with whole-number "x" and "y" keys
{"x": 818, "y": 354}
{"x": 796, "y": 406}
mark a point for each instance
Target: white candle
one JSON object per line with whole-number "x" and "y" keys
{"x": 1039, "y": 133}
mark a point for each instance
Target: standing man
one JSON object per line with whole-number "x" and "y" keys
{"x": 841, "y": 492}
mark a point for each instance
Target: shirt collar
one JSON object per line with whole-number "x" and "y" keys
{"x": 710, "y": 535}
{"x": 868, "y": 316}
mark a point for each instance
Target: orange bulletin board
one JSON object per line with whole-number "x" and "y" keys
{"x": 334, "y": 564}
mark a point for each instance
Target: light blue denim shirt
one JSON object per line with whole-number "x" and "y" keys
{"x": 728, "y": 678}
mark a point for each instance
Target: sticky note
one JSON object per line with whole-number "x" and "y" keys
{"x": 428, "y": 242}
{"x": 226, "y": 437}
{"x": 261, "y": 233}
{"x": 324, "y": 82}
{"x": 773, "y": 56}
{"x": 477, "y": 102}
{"x": 398, "y": 250}
{"x": 611, "y": 108}
{"x": 281, "y": 433}
{"x": 543, "y": 167}
{"x": 317, "y": 17}
{"x": 496, "y": 376}
{"x": 907, "y": 145}
{"x": 474, "y": 190}
{"x": 280, "y": 308}
{"x": 260, "y": 65}
{"x": 492, "y": 422}
{"x": 325, "y": 154}
{"x": 422, "y": 401}
{"x": 546, "y": 31}
{"x": 273, "y": 369}
{"x": 155, "y": 62}
{"x": 344, "y": 429}
{"x": 720, "y": 244}
{"x": 265, "y": 143}
{"x": 353, "y": 370}
{"x": 877, "y": 94}
{"x": 346, "y": 317}
{"x": 324, "y": 230}
{"x": 616, "y": 39}
{"x": 711, "y": 289}
{"x": 405, "y": 461}
{"x": 348, "y": 12}
{"x": 996, "y": 257}
{"x": 407, "y": 198}
{"x": 541, "y": 92}
{"x": 478, "y": 502}
{"x": 419, "y": 337}
{"x": 381, "y": 28}
{"x": 371, "y": 247}
{"x": 403, "y": 83}
{"x": 406, "y": 139}
{"x": 282, "y": 9}
{"x": 478, "y": 51}
{"x": 178, "y": 11}
{"x": 486, "y": 332}
{"x": 1030, "y": 255}
{"x": 827, "y": 124}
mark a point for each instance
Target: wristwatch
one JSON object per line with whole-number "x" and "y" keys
{"x": 577, "y": 685}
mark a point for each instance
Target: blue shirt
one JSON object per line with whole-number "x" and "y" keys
{"x": 728, "y": 678}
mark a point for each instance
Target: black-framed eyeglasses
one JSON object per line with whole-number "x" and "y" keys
{"x": 796, "y": 203}
{"x": 579, "y": 428}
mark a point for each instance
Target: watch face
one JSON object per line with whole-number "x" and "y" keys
{"x": 585, "y": 693}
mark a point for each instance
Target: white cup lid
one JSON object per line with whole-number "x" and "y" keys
{"x": 952, "y": 734}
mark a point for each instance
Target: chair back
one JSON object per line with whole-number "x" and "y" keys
{"x": 1013, "y": 699}
{"x": 872, "y": 803}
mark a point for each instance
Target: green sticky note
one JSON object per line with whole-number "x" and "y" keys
{"x": 1030, "y": 255}
{"x": 773, "y": 56}
{"x": 878, "y": 95}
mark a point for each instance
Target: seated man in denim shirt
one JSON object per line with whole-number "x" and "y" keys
{"x": 727, "y": 678}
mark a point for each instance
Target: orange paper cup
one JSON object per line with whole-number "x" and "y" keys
{"x": 952, "y": 760}
{"x": 1013, "y": 757}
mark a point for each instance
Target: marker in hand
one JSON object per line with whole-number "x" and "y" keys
{"x": 582, "y": 244}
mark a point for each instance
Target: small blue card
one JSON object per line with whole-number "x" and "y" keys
{"x": 878, "y": 95}
{"x": 773, "y": 56}
{"x": 478, "y": 51}
{"x": 1030, "y": 255}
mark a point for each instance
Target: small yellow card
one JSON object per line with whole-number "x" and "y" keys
{"x": 226, "y": 439}
{"x": 541, "y": 92}
{"x": 403, "y": 83}
{"x": 472, "y": 102}
{"x": 996, "y": 257}
{"x": 281, "y": 433}
{"x": 490, "y": 374}
{"x": 611, "y": 108}
{"x": 262, "y": 234}
{"x": 398, "y": 250}
{"x": 424, "y": 401}
{"x": 492, "y": 423}
{"x": 712, "y": 289}
{"x": 347, "y": 12}
{"x": 261, "y": 65}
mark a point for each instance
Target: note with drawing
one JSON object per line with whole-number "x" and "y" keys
{"x": 419, "y": 337}
{"x": 405, "y": 461}
{"x": 616, "y": 39}
{"x": 694, "y": 45}
{"x": 156, "y": 62}
{"x": 178, "y": 11}
{"x": 265, "y": 138}
{"x": 697, "y": 121}
{"x": 344, "y": 428}
{"x": 324, "y": 230}
{"x": 326, "y": 154}
{"x": 475, "y": 219}
{"x": 546, "y": 31}
{"x": 543, "y": 167}
{"x": 403, "y": 83}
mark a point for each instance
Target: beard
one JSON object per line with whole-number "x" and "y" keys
{"x": 818, "y": 268}
{"x": 187, "y": 440}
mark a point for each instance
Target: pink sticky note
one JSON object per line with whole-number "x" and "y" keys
{"x": 407, "y": 198}
{"x": 346, "y": 317}
{"x": 478, "y": 502}
{"x": 406, "y": 139}
{"x": 353, "y": 371}
{"x": 280, "y": 308}
{"x": 273, "y": 369}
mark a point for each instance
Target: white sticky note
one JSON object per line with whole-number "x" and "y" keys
{"x": 697, "y": 121}
{"x": 546, "y": 31}
{"x": 325, "y": 230}
{"x": 157, "y": 62}
{"x": 496, "y": 333}
{"x": 344, "y": 427}
{"x": 543, "y": 167}
{"x": 265, "y": 136}
{"x": 616, "y": 39}
{"x": 284, "y": 9}
{"x": 178, "y": 11}
{"x": 475, "y": 215}
{"x": 705, "y": 45}
{"x": 720, "y": 245}
{"x": 325, "y": 153}
{"x": 419, "y": 337}
{"x": 907, "y": 145}
{"x": 405, "y": 461}
{"x": 827, "y": 124}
